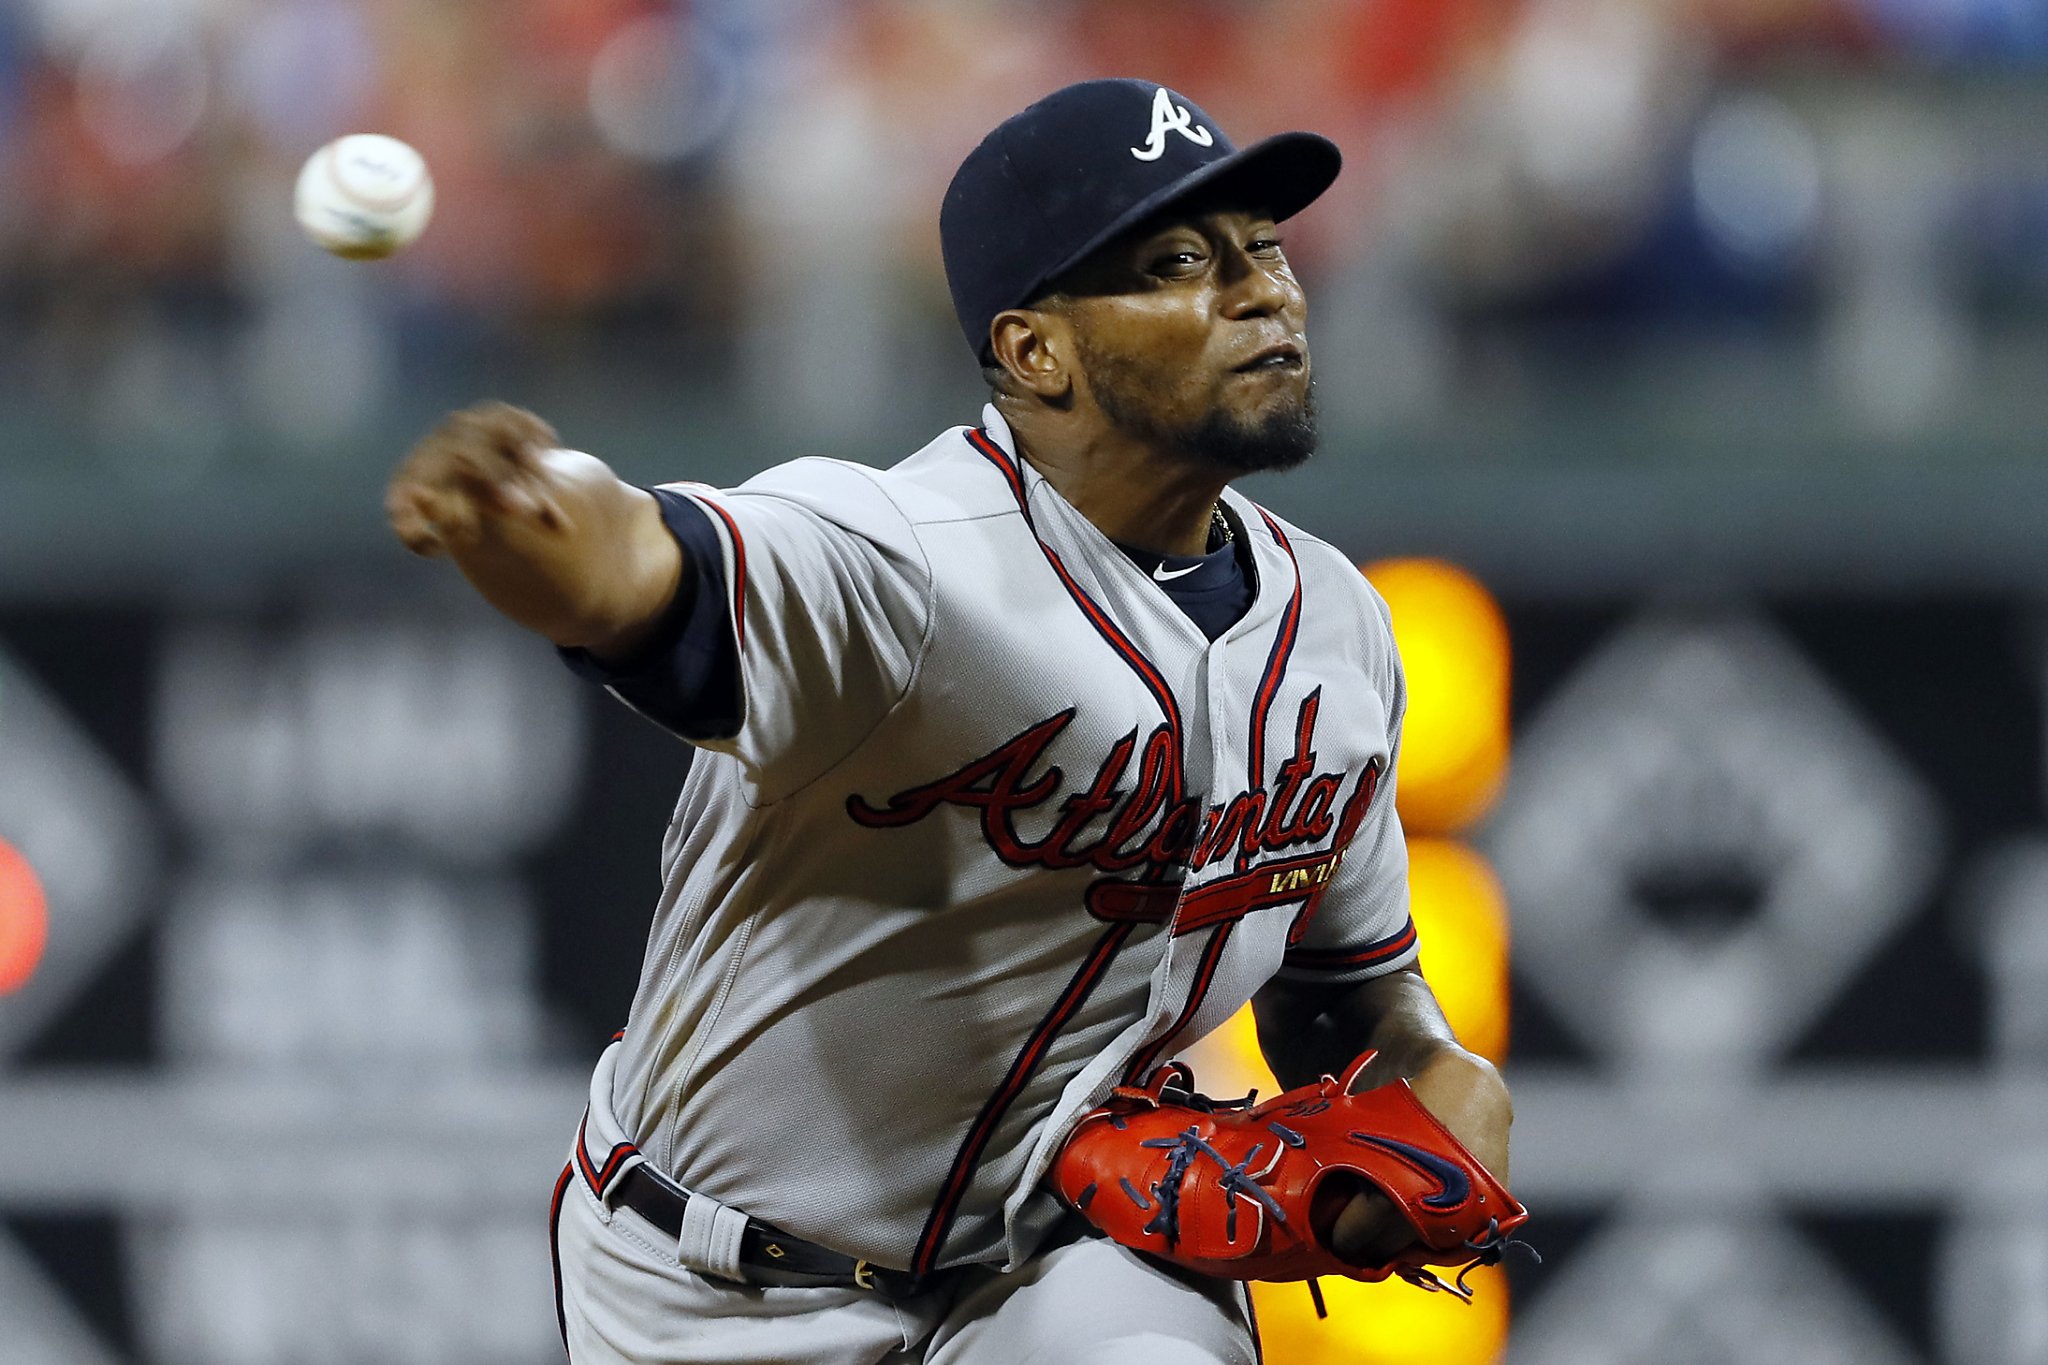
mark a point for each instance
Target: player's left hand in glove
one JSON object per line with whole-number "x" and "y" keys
{"x": 1249, "y": 1192}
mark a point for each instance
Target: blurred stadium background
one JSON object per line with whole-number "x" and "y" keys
{"x": 1684, "y": 366}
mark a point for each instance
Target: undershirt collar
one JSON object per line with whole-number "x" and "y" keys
{"x": 1211, "y": 588}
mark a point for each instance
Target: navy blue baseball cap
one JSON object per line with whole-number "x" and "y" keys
{"x": 1052, "y": 184}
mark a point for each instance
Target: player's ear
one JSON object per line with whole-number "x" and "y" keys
{"x": 1031, "y": 346}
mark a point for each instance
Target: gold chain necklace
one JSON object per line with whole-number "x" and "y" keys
{"x": 1220, "y": 533}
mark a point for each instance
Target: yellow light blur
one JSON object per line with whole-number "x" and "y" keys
{"x": 1461, "y": 919}
{"x": 1228, "y": 1062}
{"x": 1454, "y": 654}
{"x": 1389, "y": 1323}
{"x": 24, "y": 920}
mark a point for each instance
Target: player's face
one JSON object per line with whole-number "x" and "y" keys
{"x": 1191, "y": 336}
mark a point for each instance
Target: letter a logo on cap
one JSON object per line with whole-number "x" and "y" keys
{"x": 1168, "y": 117}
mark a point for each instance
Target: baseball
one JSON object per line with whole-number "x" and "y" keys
{"x": 364, "y": 196}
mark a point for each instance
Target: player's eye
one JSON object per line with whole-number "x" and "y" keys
{"x": 1265, "y": 246}
{"x": 1177, "y": 262}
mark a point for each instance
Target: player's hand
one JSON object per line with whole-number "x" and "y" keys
{"x": 478, "y": 468}
{"x": 550, "y": 537}
{"x": 1358, "y": 1223}
{"x": 1464, "y": 1093}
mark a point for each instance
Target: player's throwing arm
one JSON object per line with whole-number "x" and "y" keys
{"x": 550, "y": 537}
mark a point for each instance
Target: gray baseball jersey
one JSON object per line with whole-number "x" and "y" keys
{"x": 993, "y": 827}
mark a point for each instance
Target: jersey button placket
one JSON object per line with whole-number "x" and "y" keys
{"x": 1168, "y": 995}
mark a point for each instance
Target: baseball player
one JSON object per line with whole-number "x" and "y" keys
{"x": 1020, "y": 765}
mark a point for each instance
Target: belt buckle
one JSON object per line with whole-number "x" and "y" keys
{"x": 864, "y": 1275}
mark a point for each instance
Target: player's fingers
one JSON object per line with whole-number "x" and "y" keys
{"x": 423, "y": 536}
{"x": 520, "y": 486}
{"x": 501, "y": 461}
{"x": 478, "y": 466}
{"x": 423, "y": 543}
{"x": 541, "y": 491}
{"x": 461, "y": 446}
{"x": 504, "y": 492}
{"x": 525, "y": 445}
{"x": 518, "y": 434}
{"x": 542, "y": 506}
{"x": 411, "y": 525}
{"x": 449, "y": 518}
{"x": 406, "y": 503}
{"x": 498, "y": 436}
{"x": 467, "y": 443}
{"x": 1365, "y": 1229}
{"x": 420, "y": 536}
{"x": 468, "y": 489}
{"x": 440, "y": 456}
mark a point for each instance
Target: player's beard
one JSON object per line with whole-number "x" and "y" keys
{"x": 1280, "y": 438}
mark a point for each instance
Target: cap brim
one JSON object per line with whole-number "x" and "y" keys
{"x": 1282, "y": 174}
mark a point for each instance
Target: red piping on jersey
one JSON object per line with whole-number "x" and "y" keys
{"x": 1211, "y": 957}
{"x": 1138, "y": 662}
{"x": 940, "y": 1221}
{"x": 1276, "y": 669}
{"x": 1154, "y": 681}
{"x": 1344, "y": 959}
{"x": 555, "y": 1242}
{"x": 981, "y": 441}
{"x": 593, "y": 1177}
{"x": 739, "y": 571}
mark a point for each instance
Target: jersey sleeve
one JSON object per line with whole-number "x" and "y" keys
{"x": 1363, "y": 927}
{"x": 809, "y": 605}
{"x": 685, "y": 678}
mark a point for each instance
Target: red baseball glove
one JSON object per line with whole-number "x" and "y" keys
{"x": 1228, "y": 1189}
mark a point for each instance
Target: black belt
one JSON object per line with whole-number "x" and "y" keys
{"x": 661, "y": 1204}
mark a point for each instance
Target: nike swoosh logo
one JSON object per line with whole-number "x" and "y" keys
{"x": 1454, "y": 1188}
{"x": 1163, "y": 576}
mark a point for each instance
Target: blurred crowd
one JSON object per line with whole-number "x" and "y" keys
{"x": 746, "y": 190}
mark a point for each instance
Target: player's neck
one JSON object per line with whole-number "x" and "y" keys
{"x": 1133, "y": 494}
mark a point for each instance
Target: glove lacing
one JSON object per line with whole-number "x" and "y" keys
{"x": 1488, "y": 1248}
{"x": 1236, "y": 1180}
